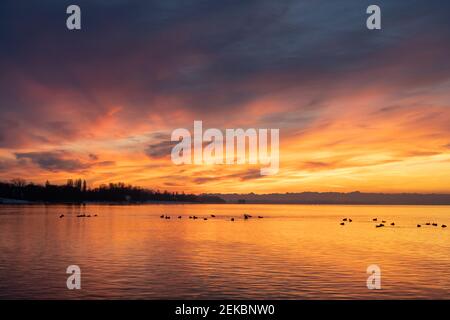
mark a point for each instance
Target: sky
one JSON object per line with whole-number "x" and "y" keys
{"x": 357, "y": 109}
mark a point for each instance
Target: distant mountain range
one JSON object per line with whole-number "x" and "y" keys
{"x": 338, "y": 198}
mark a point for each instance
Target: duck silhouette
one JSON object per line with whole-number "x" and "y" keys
{"x": 61, "y": 216}
{"x": 260, "y": 217}
{"x": 434, "y": 224}
{"x": 232, "y": 219}
{"x": 418, "y": 226}
{"x": 205, "y": 219}
{"x": 380, "y": 225}
{"x": 342, "y": 224}
{"x": 213, "y": 216}
{"x": 179, "y": 217}
{"x": 392, "y": 224}
{"x": 350, "y": 220}
{"x": 444, "y": 226}
{"x": 374, "y": 219}
{"x": 162, "y": 216}
{"x": 345, "y": 219}
{"x": 428, "y": 223}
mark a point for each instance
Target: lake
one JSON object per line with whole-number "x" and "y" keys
{"x": 293, "y": 252}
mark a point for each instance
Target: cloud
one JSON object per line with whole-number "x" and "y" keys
{"x": 56, "y": 161}
{"x": 187, "y": 58}
{"x": 53, "y": 161}
{"x": 249, "y": 174}
{"x": 160, "y": 149}
{"x": 311, "y": 68}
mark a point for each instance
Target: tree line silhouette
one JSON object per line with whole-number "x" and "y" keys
{"x": 77, "y": 191}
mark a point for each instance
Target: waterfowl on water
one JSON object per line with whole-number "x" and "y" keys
{"x": 379, "y": 225}
{"x": 428, "y": 223}
{"x": 232, "y": 219}
{"x": 342, "y": 224}
{"x": 345, "y": 219}
{"x": 434, "y": 224}
{"x": 162, "y": 216}
{"x": 95, "y": 215}
{"x": 392, "y": 224}
{"x": 179, "y": 217}
{"x": 167, "y": 217}
{"x": 194, "y": 217}
{"x": 61, "y": 216}
{"x": 350, "y": 220}
{"x": 213, "y": 216}
{"x": 190, "y": 217}
{"x": 260, "y": 217}
{"x": 383, "y": 221}
{"x": 418, "y": 226}
{"x": 205, "y": 219}
{"x": 444, "y": 226}
{"x": 374, "y": 219}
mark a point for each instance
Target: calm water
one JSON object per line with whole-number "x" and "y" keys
{"x": 295, "y": 252}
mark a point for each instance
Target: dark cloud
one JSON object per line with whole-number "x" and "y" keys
{"x": 103, "y": 163}
{"x": 288, "y": 120}
{"x": 160, "y": 149}
{"x": 203, "y": 180}
{"x": 55, "y": 161}
{"x": 250, "y": 174}
{"x": 173, "y": 184}
{"x": 213, "y": 56}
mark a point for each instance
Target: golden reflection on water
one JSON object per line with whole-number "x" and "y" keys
{"x": 294, "y": 252}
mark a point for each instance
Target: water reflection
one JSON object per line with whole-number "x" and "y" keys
{"x": 295, "y": 252}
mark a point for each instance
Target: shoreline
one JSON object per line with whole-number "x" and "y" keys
{"x": 36, "y": 203}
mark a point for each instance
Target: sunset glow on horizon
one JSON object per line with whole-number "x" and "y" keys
{"x": 357, "y": 109}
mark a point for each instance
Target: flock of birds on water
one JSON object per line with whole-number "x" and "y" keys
{"x": 247, "y": 216}
{"x": 383, "y": 222}
{"x": 81, "y": 216}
